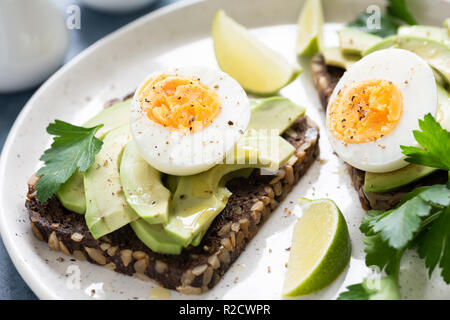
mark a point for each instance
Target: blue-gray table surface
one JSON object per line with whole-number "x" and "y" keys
{"x": 94, "y": 26}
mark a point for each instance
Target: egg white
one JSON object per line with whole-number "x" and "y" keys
{"x": 180, "y": 153}
{"x": 415, "y": 79}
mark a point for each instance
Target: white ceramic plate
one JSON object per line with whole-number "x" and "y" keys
{"x": 176, "y": 35}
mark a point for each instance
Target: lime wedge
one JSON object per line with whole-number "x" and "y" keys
{"x": 257, "y": 68}
{"x": 310, "y": 23}
{"x": 320, "y": 248}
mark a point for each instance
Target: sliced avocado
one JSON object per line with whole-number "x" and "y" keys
{"x": 216, "y": 201}
{"x": 259, "y": 149}
{"x": 254, "y": 102}
{"x": 443, "y": 109}
{"x": 71, "y": 194}
{"x": 112, "y": 117}
{"x": 106, "y": 206}
{"x": 199, "y": 198}
{"x": 222, "y": 195}
{"x": 435, "y": 53}
{"x": 274, "y": 113}
{"x": 245, "y": 173}
{"x": 428, "y": 32}
{"x": 142, "y": 186}
{"x": 155, "y": 237}
{"x": 334, "y": 57}
{"x": 389, "y": 181}
{"x": 189, "y": 219}
{"x": 198, "y": 238}
{"x": 354, "y": 41}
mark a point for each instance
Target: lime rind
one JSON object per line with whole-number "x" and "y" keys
{"x": 310, "y": 23}
{"x": 311, "y": 48}
{"x": 295, "y": 73}
{"x": 332, "y": 263}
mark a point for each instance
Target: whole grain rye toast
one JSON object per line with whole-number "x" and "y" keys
{"x": 196, "y": 269}
{"x": 325, "y": 78}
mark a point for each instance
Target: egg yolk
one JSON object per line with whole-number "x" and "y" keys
{"x": 365, "y": 111}
{"x": 179, "y": 103}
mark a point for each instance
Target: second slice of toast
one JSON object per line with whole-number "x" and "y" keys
{"x": 325, "y": 78}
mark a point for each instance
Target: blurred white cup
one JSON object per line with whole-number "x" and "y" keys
{"x": 33, "y": 42}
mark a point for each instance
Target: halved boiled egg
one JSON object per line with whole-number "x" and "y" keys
{"x": 185, "y": 120}
{"x": 375, "y": 107}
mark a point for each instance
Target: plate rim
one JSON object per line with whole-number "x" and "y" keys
{"x": 38, "y": 284}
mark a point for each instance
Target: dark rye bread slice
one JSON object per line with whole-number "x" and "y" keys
{"x": 325, "y": 78}
{"x": 196, "y": 269}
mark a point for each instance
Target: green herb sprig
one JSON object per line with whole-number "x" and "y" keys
{"x": 420, "y": 221}
{"x": 73, "y": 148}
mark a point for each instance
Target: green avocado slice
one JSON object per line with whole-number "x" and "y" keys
{"x": 199, "y": 198}
{"x": 435, "y": 53}
{"x": 443, "y": 109}
{"x": 354, "y": 41}
{"x": 142, "y": 186}
{"x": 106, "y": 206}
{"x": 112, "y": 117}
{"x": 429, "y": 32}
{"x": 390, "y": 181}
{"x": 244, "y": 173}
{"x": 334, "y": 57}
{"x": 71, "y": 194}
{"x": 274, "y": 113}
{"x": 155, "y": 237}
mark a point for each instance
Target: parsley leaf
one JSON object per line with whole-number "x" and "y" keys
{"x": 398, "y": 226}
{"x": 398, "y": 9}
{"x": 388, "y": 27}
{"x": 436, "y": 142}
{"x": 437, "y": 195}
{"x": 72, "y": 148}
{"x": 365, "y": 226}
{"x": 421, "y": 220}
{"x": 355, "y": 292}
{"x": 379, "y": 253}
{"x": 434, "y": 244}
